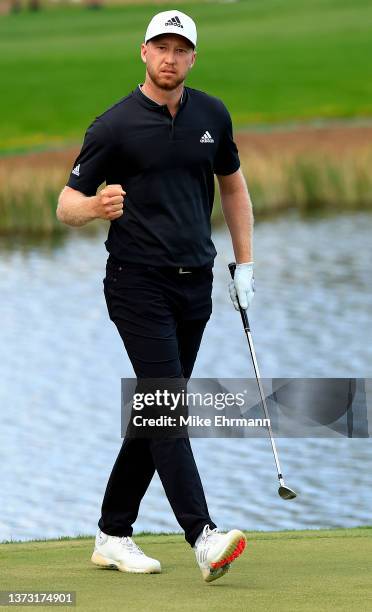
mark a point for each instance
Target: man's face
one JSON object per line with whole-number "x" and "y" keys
{"x": 168, "y": 59}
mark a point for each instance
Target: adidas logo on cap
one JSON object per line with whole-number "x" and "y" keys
{"x": 206, "y": 137}
{"x": 174, "y": 21}
{"x": 76, "y": 170}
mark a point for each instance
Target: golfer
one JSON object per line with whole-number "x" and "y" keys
{"x": 157, "y": 150}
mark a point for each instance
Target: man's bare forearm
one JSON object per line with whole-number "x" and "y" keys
{"x": 74, "y": 208}
{"x": 238, "y": 213}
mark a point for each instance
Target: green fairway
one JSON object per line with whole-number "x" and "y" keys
{"x": 304, "y": 570}
{"x": 269, "y": 61}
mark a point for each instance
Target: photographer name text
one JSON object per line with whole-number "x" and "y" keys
{"x": 219, "y": 420}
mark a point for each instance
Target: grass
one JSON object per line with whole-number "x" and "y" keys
{"x": 297, "y": 571}
{"x": 309, "y": 182}
{"x": 332, "y": 180}
{"x": 269, "y": 61}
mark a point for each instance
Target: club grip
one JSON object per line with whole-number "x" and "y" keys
{"x": 243, "y": 313}
{"x": 232, "y": 268}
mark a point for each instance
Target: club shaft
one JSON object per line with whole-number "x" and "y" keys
{"x": 243, "y": 314}
{"x": 263, "y": 401}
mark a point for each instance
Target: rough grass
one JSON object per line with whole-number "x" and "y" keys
{"x": 297, "y": 571}
{"x": 325, "y": 169}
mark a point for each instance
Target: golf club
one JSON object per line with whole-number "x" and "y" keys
{"x": 284, "y": 491}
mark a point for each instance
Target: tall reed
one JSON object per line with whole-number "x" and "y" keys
{"x": 308, "y": 181}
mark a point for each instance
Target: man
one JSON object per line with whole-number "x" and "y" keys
{"x": 157, "y": 149}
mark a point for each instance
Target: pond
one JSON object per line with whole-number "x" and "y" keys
{"x": 62, "y": 359}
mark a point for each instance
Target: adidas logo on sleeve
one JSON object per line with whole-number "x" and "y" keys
{"x": 76, "y": 170}
{"x": 206, "y": 137}
{"x": 174, "y": 21}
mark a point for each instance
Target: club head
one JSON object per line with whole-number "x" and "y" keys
{"x": 286, "y": 493}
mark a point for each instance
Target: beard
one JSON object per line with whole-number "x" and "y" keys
{"x": 167, "y": 83}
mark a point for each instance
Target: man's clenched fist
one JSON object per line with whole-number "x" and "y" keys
{"x": 109, "y": 202}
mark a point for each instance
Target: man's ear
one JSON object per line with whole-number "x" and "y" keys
{"x": 143, "y": 52}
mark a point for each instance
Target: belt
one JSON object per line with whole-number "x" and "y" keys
{"x": 179, "y": 269}
{"x": 174, "y": 269}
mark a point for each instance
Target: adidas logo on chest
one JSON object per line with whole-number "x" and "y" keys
{"x": 207, "y": 137}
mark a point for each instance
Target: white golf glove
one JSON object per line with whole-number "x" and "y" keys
{"x": 242, "y": 287}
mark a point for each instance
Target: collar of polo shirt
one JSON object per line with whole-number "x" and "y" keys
{"x": 140, "y": 85}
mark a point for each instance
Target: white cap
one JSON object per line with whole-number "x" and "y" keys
{"x": 172, "y": 22}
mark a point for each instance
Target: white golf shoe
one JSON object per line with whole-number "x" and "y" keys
{"x": 216, "y": 551}
{"x": 123, "y": 554}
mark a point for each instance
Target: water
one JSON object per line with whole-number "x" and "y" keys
{"x": 62, "y": 359}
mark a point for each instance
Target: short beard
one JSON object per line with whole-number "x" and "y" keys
{"x": 164, "y": 85}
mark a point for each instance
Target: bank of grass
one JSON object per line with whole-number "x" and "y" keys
{"x": 294, "y": 570}
{"x": 269, "y": 61}
{"x": 320, "y": 170}
{"x": 310, "y": 183}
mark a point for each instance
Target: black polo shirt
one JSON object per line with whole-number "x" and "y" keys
{"x": 166, "y": 166}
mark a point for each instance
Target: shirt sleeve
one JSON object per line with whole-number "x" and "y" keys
{"x": 226, "y": 160}
{"x": 90, "y": 167}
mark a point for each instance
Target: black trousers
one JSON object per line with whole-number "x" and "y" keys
{"x": 161, "y": 315}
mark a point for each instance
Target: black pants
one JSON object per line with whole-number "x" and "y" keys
{"x": 160, "y": 315}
